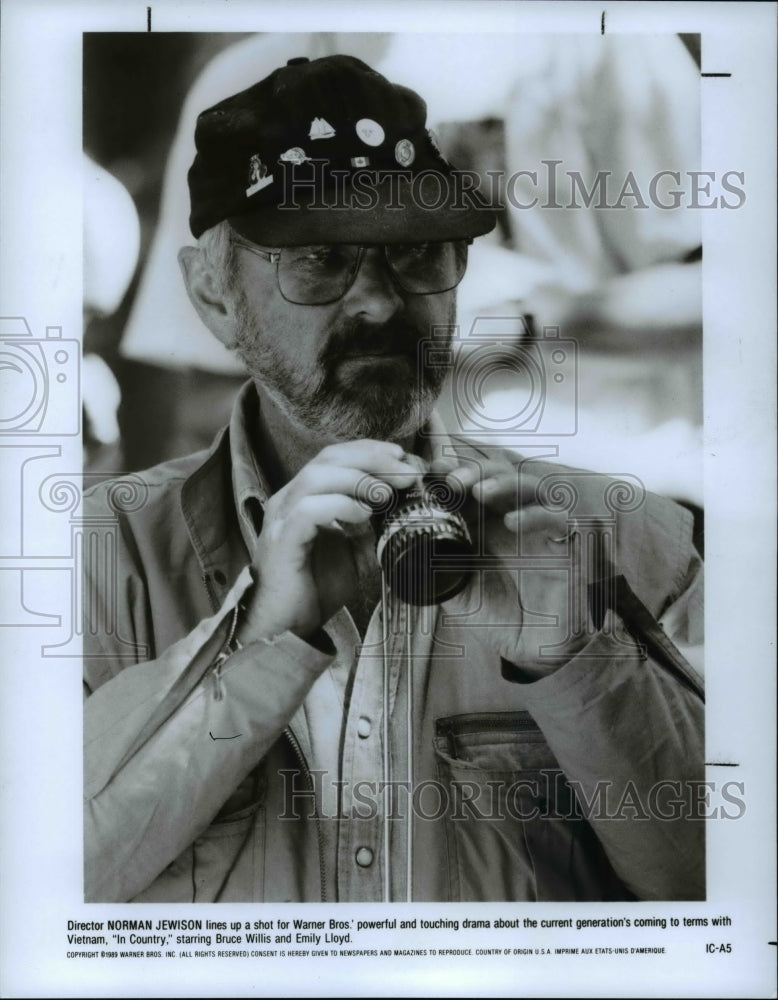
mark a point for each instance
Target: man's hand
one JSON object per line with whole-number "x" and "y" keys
{"x": 307, "y": 565}
{"x": 529, "y": 599}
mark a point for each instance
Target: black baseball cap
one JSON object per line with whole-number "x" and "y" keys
{"x": 328, "y": 151}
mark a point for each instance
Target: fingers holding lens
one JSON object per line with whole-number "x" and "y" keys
{"x": 495, "y": 483}
{"x": 368, "y": 471}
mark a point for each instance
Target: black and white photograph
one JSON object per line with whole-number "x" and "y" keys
{"x": 389, "y": 414}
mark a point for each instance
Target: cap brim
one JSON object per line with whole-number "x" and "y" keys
{"x": 437, "y": 207}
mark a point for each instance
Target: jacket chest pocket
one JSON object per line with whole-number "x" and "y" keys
{"x": 512, "y": 828}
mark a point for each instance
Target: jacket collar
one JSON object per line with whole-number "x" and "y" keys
{"x": 250, "y": 486}
{"x": 208, "y": 507}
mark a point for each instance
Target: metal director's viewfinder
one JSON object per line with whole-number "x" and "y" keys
{"x": 424, "y": 546}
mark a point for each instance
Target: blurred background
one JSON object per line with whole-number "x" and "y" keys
{"x": 580, "y": 328}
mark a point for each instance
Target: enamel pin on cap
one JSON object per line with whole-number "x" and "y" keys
{"x": 294, "y": 155}
{"x": 258, "y": 176}
{"x": 321, "y": 129}
{"x": 370, "y": 132}
{"x": 405, "y": 152}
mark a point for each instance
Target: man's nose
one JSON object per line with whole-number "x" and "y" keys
{"x": 374, "y": 294}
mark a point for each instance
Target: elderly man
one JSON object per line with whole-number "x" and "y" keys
{"x": 265, "y": 720}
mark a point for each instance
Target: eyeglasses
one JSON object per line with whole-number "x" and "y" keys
{"x": 318, "y": 275}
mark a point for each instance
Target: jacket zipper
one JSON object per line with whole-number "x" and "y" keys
{"x": 319, "y": 838}
{"x": 209, "y": 591}
{"x": 452, "y": 727}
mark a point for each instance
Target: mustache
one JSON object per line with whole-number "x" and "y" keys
{"x": 355, "y": 337}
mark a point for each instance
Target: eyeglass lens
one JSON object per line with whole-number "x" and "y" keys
{"x": 320, "y": 274}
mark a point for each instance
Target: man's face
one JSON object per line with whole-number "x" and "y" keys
{"x": 349, "y": 369}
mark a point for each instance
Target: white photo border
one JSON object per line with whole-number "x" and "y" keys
{"x": 41, "y": 276}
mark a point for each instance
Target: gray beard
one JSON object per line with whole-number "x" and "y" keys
{"x": 341, "y": 419}
{"x": 341, "y": 409}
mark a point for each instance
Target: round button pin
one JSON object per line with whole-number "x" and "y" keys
{"x": 370, "y": 132}
{"x": 364, "y": 727}
{"x": 405, "y": 152}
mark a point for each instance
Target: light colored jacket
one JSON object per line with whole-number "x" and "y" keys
{"x": 201, "y": 775}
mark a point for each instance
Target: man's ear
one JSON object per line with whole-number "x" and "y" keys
{"x": 213, "y": 307}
